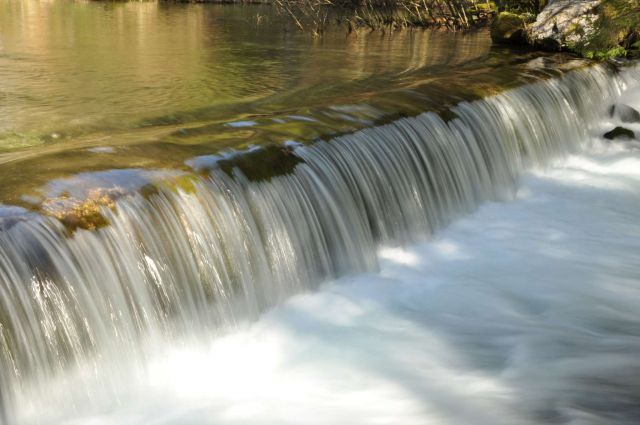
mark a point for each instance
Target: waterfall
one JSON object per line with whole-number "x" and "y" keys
{"x": 179, "y": 260}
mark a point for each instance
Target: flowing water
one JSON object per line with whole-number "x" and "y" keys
{"x": 523, "y": 313}
{"x": 136, "y": 247}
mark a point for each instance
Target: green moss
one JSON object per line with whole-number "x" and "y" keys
{"x": 185, "y": 183}
{"x": 575, "y": 28}
{"x": 14, "y": 140}
{"x": 616, "y": 52}
{"x": 488, "y": 6}
{"x": 262, "y": 164}
{"x": 522, "y": 6}
{"x": 508, "y": 28}
{"x": 617, "y": 22}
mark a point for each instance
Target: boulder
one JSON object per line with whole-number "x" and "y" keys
{"x": 508, "y": 28}
{"x": 625, "y": 113}
{"x": 619, "y": 133}
{"x": 564, "y": 23}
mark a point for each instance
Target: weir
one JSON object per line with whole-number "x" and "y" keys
{"x": 178, "y": 261}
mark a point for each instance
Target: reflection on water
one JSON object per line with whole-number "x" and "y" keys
{"x": 87, "y": 86}
{"x": 69, "y": 66}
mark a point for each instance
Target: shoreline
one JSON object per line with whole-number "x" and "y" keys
{"x": 593, "y": 29}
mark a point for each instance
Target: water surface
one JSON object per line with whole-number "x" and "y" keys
{"x": 91, "y": 86}
{"x": 521, "y": 313}
{"x": 170, "y": 174}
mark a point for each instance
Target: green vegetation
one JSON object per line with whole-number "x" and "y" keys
{"x": 262, "y": 164}
{"x": 522, "y": 7}
{"x": 508, "y": 27}
{"x": 617, "y": 31}
{"x": 314, "y": 15}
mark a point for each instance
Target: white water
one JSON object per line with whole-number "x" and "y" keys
{"x": 525, "y": 312}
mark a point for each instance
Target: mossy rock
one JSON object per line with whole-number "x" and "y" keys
{"x": 508, "y": 28}
{"x": 619, "y": 133}
{"x": 601, "y": 55}
{"x": 262, "y": 164}
{"x": 549, "y": 44}
{"x": 615, "y": 31}
{"x": 488, "y": 6}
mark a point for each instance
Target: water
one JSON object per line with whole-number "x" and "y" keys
{"x": 88, "y": 86}
{"x": 180, "y": 261}
{"x": 523, "y": 312}
{"x": 131, "y": 270}
{"x": 94, "y": 86}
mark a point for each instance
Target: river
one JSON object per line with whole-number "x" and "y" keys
{"x": 210, "y": 217}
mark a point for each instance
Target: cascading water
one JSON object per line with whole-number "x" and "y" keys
{"x": 177, "y": 261}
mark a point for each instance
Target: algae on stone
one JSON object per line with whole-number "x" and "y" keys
{"x": 508, "y": 28}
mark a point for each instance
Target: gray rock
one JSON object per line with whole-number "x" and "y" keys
{"x": 625, "y": 113}
{"x": 619, "y": 133}
{"x": 564, "y": 23}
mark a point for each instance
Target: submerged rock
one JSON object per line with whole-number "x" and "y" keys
{"x": 564, "y": 23}
{"x": 10, "y": 215}
{"x": 625, "y": 113}
{"x": 619, "y": 133}
{"x": 82, "y": 213}
{"x": 508, "y": 28}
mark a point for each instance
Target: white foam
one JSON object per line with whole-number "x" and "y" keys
{"x": 524, "y": 312}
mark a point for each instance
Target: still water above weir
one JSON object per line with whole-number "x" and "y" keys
{"x": 97, "y": 86}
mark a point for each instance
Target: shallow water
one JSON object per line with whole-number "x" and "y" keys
{"x": 93, "y": 86}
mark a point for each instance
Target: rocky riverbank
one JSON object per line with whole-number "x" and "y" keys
{"x": 598, "y": 29}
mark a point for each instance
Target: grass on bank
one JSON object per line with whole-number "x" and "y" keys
{"x": 616, "y": 31}
{"x": 315, "y": 15}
